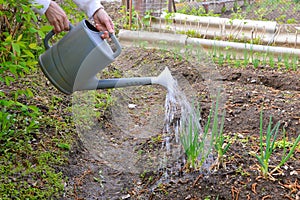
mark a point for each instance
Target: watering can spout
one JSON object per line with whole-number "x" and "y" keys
{"x": 165, "y": 79}
{"x": 123, "y": 82}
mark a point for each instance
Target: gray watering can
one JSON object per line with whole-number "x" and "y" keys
{"x": 73, "y": 62}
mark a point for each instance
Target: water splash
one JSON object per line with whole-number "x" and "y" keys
{"x": 179, "y": 114}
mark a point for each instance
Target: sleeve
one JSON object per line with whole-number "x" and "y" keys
{"x": 44, "y": 3}
{"x": 88, "y": 6}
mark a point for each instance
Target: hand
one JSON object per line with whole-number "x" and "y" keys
{"x": 57, "y": 17}
{"x": 103, "y": 23}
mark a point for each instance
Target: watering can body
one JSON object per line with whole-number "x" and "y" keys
{"x": 73, "y": 62}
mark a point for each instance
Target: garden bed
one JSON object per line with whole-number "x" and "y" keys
{"x": 247, "y": 90}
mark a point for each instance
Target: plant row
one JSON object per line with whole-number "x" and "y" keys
{"x": 199, "y": 145}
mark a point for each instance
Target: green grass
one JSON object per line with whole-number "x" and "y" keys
{"x": 28, "y": 157}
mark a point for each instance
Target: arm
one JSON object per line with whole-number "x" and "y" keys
{"x": 44, "y": 3}
{"x": 54, "y": 14}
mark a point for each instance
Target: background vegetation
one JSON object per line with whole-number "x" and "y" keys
{"x": 34, "y": 141}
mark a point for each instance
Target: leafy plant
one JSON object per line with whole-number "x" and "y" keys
{"x": 271, "y": 61}
{"x": 295, "y": 62}
{"x": 286, "y": 61}
{"x": 26, "y": 170}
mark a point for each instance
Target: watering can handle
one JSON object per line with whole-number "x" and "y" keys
{"x": 50, "y": 35}
{"x": 118, "y": 45}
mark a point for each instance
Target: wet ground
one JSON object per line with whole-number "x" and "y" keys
{"x": 110, "y": 172}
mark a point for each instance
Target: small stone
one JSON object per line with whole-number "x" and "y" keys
{"x": 131, "y": 106}
{"x": 127, "y": 196}
{"x": 240, "y": 136}
{"x": 294, "y": 173}
{"x": 188, "y": 197}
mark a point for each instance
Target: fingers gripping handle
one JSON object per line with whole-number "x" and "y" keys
{"x": 50, "y": 35}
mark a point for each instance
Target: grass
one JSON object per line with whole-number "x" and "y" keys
{"x": 28, "y": 157}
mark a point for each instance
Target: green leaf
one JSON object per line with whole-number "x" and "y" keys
{"x": 9, "y": 80}
{"x": 19, "y": 37}
{"x": 2, "y": 94}
{"x": 32, "y": 46}
{"x": 8, "y": 38}
{"x": 46, "y": 28}
{"x": 29, "y": 92}
{"x": 16, "y": 48}
{"x": 13, "y": 69}
{"x": 35, "y": 109}
{"x": 64, "y": 146}
{"x": 41, "y": 33}
{"x": 29, "y": 53}
{"x": 32, "y": 30}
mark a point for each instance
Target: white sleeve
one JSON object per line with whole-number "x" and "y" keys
{"x": 44, "y": 3}
{"x": 88, "y": 6}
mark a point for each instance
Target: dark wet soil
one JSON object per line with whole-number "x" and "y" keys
{"x": 247, "y": 91}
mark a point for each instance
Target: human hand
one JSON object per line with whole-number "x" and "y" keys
{"x": 103, "y": 23}
{"x": 57, "y": 17}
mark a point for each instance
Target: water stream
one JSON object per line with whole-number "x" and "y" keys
{"x": 124, "y": 147}
{"x": 181, "y": 119}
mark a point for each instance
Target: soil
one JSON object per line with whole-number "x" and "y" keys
{"x": 248, "y": 90}
{"x": 94, "y": 174}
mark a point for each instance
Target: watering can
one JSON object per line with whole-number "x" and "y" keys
{"x": 72, "y": 63}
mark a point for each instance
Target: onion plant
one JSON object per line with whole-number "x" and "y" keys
{"x": 220, "y": 145}
{"x": 267, "y": 148}
{"x": 194, "y": 140}
{"x": 198, "y": 145}
{"x": 265, "y": 153}
{"x": 285, "y": 156}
